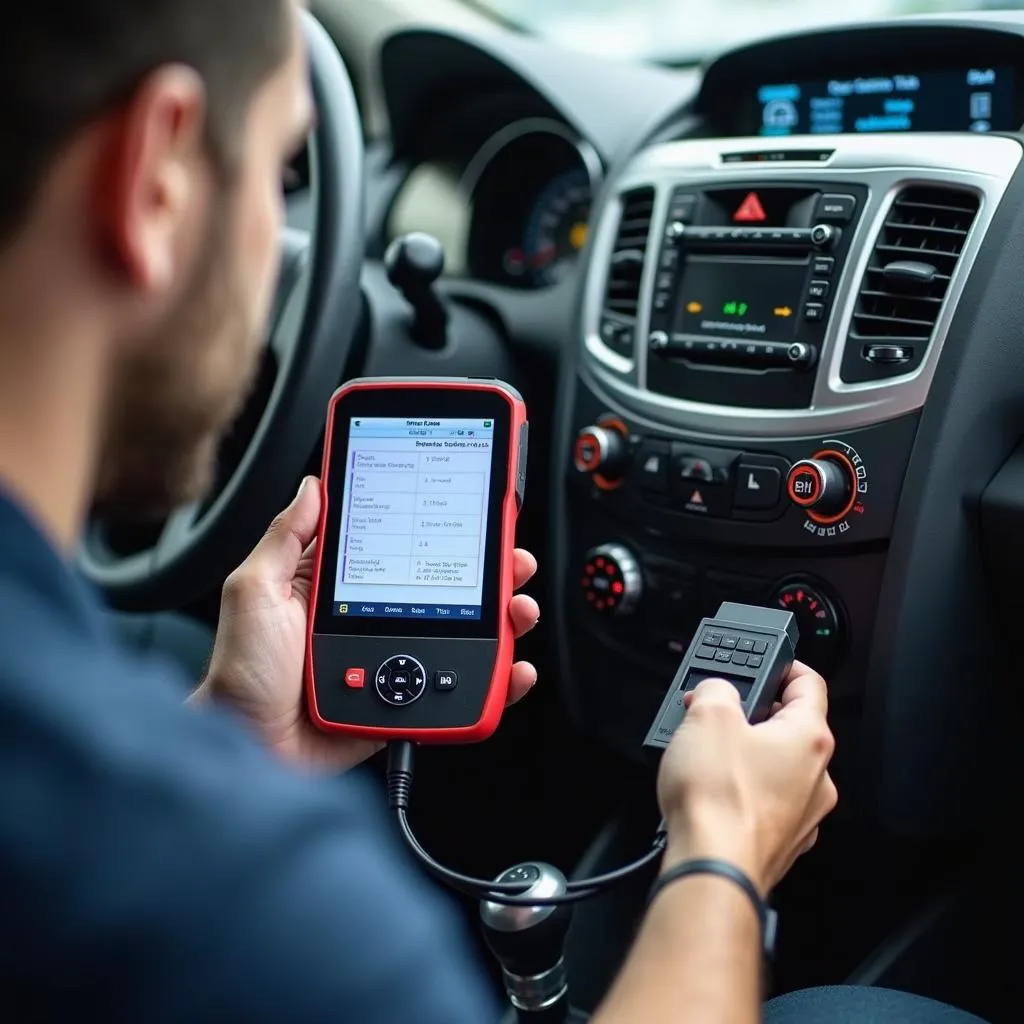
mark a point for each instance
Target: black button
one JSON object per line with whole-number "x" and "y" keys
{"x": 836, "y": 209}
{"x": 711, "y": 639}
{"x": 400, "y": 680}
{"x": 757, "y": 487}
{"x": 692, "y": 468}
{"x": 446, "y": 680}
{"x": 723, "y": 655}
{"x": 888, "y": 355}
{"x": 706, "y": 652}
{"x": 524, "y": 448}
{"x": 760, "y": 646}
{"x": 818, "y": 290}
{"x": 730, "y": 642}
{"x": 745, "y": 644}
{"x": 739, "y": 658}
{"x": 814, "y": 311}
{"x": 822, "y": 266}
{"x": 651, "y": 465}
{"x": 754, "y": 660}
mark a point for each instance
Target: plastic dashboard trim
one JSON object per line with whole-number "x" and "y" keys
{"x": 885, "y": 165}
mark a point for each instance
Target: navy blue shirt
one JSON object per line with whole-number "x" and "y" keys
{"x": 156, "y": 864}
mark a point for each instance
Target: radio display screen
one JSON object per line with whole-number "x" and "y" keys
{"x": 721, "y": 297}
{"x": 968, "y": 99}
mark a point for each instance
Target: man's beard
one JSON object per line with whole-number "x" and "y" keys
{"x": 176, "y": 393}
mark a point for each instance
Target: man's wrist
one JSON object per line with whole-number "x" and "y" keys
{"x": 706, "y": 842}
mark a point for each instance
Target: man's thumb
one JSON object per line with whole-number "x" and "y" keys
{"x": 291, "y": 532}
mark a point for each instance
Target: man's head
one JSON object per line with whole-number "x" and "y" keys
{"x": 144, "y": 147}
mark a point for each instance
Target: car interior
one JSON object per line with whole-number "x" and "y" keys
{"x": 758, "y": 276}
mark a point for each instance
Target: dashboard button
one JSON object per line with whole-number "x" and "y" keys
{"x": 355, "y": 678}
{"x": 837, "y": 209}
{"x": 822, "y": 266}
{"x": 692, "y": 468}
{"x": 651, "y": 465}
{"x": 757, "y": 487}
{"x": 818, "y": 289}
{"x": 708, "y": 653}
{"x": 814, "y": 312}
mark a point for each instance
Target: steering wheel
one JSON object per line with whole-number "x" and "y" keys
{"x": 316, "y": 314}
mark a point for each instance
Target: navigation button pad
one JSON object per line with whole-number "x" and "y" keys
{"x": 400, "y": 680}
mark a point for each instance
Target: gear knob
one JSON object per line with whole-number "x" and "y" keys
{"x": 529, "y": 942}
{"x": 414, "y": 262}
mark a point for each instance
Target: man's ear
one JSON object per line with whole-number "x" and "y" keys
{"x": 151, "y": 176}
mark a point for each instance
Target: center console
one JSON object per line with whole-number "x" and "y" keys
{"x": 760, "y": 328}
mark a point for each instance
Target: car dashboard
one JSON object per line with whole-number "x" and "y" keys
{"x": 780, "y": 296}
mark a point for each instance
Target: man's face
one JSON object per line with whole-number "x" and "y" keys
{"x": 179, "y": 388}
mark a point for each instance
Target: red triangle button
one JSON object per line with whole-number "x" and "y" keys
{"x": 750, "y": 210}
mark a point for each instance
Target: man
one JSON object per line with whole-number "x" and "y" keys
{"x": 203, "y": 862}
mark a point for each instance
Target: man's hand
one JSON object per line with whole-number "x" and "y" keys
{"x": 257, "y": 662}
{"x": 751, "y": 795}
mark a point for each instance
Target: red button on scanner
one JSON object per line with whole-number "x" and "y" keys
{"x": 355, "y": 677}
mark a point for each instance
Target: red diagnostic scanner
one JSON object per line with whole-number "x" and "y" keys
{"x": 409, "y": 633}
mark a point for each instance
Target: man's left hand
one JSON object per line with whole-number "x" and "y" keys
{"x": 258, "y": 659}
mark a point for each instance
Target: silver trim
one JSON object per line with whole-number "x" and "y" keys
{"x": 884, "y": 164}
{"x": 536, "y": 992}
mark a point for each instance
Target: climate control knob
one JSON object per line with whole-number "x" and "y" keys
{"x": 612, "y": 580}
{"x": 824, "y": 486}
{"x": 601, "y": 451}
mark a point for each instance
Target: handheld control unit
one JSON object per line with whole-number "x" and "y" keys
{"x": 409, "y": 636}
{"x": 751, "y": 647}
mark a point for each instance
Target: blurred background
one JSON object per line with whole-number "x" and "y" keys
{"x": 685, "y": 31}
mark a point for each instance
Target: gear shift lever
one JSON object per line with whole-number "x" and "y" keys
{"x": 529, "y": 943}
{"x": 414, "y": 262}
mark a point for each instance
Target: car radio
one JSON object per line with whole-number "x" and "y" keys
{"x": 741, "y": 295}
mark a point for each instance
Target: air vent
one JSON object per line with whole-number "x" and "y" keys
{"x": 910, "y": 269}
{"x": 627, "y": 263}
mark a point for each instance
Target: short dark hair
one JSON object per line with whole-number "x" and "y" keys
{"x": 64, "y": 63}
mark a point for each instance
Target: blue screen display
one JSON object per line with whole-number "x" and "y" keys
{"x": 972, "y": 99}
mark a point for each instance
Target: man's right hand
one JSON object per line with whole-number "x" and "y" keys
{"x": 750, "y": 795}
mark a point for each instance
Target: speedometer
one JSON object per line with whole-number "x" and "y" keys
{"x": 556, "y": 229}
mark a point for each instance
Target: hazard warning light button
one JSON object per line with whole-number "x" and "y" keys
{"x": 700, "y": 480}
{"x": 750, "y": 211}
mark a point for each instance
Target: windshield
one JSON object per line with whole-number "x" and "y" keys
{"x": 688, "y": 30}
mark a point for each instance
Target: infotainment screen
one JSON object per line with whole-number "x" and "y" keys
{"x": 971, "y": 99}
{"x": 414, "y": 518}
{"x": 754, "y": 300}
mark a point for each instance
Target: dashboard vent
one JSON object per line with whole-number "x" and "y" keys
{"x": 627, "y": 263}
{"x": 913, "y": 261}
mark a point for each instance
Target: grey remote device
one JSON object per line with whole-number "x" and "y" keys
{"x": 749, "y": 646}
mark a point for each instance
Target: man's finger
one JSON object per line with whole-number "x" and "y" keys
{"x": 804, "y": 690}
{"x": 521, "y": 682}
{"x": 280, "y": 549}
{"x": 714, "y": 692}
{"x": 524, "y": 613}
{"x": 524, "y": 566}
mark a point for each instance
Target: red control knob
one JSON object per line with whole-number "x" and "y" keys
{"x": 602, "y": 451}
{"x": 825, "y": 486}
